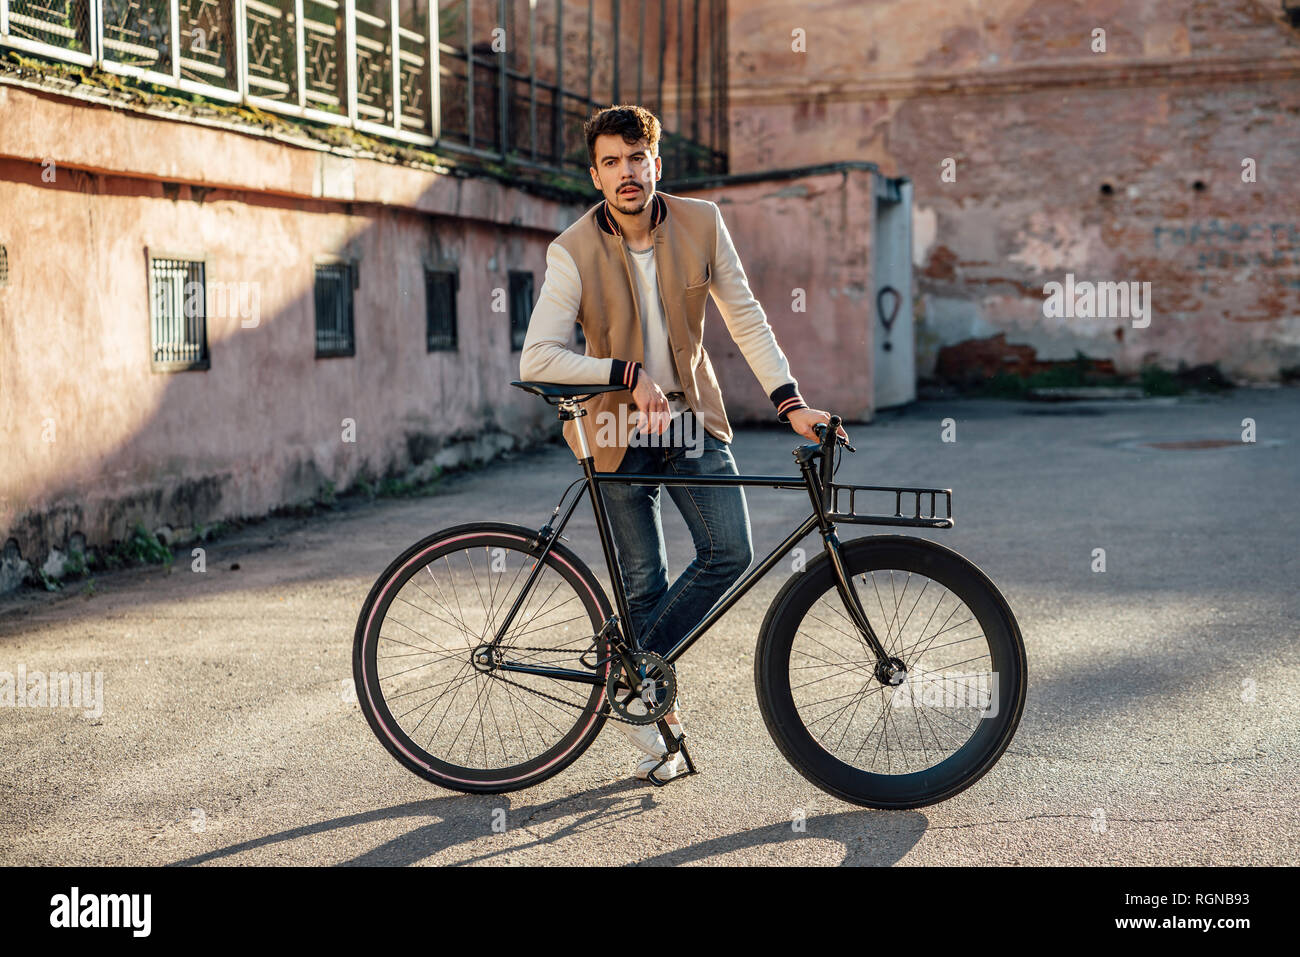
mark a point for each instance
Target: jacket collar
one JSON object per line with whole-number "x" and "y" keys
{"x": 607, "y": 223}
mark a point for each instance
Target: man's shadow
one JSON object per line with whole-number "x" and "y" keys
{"x": 868, "y": 837}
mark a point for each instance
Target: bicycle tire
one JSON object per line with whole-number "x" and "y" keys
{"x": 369, "y": 684}
{"x": 799, "y": 745}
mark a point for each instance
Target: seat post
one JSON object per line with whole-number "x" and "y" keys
{"x": 571, "y": 409}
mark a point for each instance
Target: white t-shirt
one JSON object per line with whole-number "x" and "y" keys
{"x": 657, "y": 355}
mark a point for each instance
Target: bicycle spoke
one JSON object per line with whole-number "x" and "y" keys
{"x": 864, "y": 722}
{"x": 462, "y": 711}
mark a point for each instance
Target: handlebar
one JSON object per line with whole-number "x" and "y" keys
{"x": 822, "y": 432}
{"x": 829, "y": 436}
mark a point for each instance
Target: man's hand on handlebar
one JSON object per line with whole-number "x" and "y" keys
{"x": 653, "y": 415}
{"x": 803, "y": 420}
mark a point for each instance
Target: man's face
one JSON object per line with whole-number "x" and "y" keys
{"x": 625, "y": 172}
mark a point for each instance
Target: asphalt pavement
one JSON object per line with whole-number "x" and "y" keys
{"x": 1162, "y": 724}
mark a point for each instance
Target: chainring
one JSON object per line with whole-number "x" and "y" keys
{"x": 658, "y": 688}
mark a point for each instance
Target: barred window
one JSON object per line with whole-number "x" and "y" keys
{"x": 178, "y": 314}
{"x": 521, "y": 307}
{"x": 334, "y": 310}
{"x": 440, "y": 287}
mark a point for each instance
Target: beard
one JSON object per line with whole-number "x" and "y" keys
{"x": 631, "y": 206}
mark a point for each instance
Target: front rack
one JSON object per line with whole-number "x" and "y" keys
{"x": 875, "y": 496}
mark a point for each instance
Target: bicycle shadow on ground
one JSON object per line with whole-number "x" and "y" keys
{"x": 453, "y": 820}
{"x": 869, "y": 838}
{"x": 443, "y": 823}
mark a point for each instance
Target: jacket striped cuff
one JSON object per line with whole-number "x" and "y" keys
{"x": 787, "y": 399}
{"x": 624, "y": 373}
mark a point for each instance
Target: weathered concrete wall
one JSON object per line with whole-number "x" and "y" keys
{"x": 1066, "y": 161}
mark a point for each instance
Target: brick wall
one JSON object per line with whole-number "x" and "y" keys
{"x": 1116, "y": 166}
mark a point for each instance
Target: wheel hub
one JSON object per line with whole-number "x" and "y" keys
{"x": 484, "y": 658}
{"x": 891, "y": 672}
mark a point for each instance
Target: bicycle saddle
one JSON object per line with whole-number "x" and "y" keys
{"x": 556, "y": 390}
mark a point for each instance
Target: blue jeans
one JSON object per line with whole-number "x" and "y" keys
{"x": 716, "y": 515}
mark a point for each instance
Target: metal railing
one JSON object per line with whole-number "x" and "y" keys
{"x": 485, "y": 77}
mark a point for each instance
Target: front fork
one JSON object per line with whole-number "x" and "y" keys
{"x": 888, "y": 669}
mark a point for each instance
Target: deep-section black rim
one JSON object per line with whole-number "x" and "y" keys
{"x": 940, "y": 729}
{"x": 429, "y": 703}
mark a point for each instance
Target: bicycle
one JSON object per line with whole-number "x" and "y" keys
{"x": 482, "y": 695}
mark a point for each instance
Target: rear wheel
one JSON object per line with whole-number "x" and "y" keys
{"x": 418, "y": 659}
{"x": 838, "y": 717}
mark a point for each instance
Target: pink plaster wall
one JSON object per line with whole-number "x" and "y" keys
{"x": 96, "y": 440}
{"x": 262, "y": 426}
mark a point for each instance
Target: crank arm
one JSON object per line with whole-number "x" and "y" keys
{"x": 674, "y": 744}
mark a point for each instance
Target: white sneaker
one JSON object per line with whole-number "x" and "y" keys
{"x": 675, "y": 765}
{"x": 644, "y": 737}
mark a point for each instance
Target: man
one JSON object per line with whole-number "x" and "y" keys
{"x": 634, "y": 272}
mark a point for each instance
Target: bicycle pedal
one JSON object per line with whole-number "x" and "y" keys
{"x": 650, "y": 775}
{"x": 674, "y": 743}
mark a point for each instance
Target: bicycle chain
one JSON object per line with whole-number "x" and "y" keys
{"x": 568, "y": 704}
{"x": 550, "y": 697}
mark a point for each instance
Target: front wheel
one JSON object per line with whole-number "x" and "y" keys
{"x": 843, "y": 722}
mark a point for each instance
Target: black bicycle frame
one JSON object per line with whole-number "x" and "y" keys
{"x": 822, "y": 518}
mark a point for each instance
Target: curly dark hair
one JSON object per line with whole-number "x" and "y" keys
{"x": 626, "y": 120}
